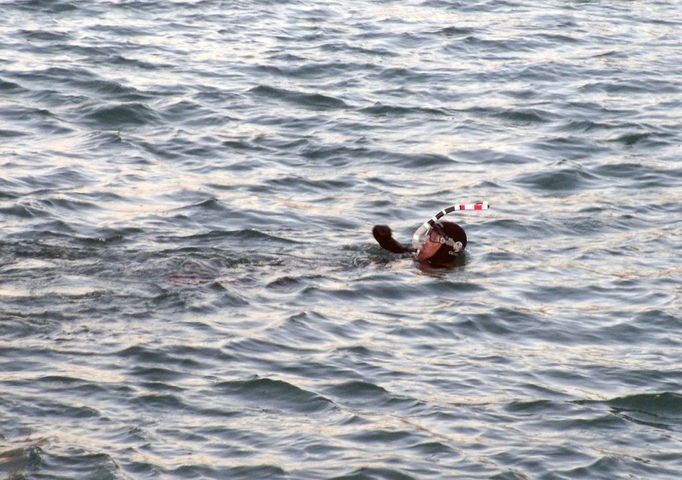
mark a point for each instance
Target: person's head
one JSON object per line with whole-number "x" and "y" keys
{"x": 444, "y": 243}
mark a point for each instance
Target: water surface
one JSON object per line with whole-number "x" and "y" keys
{"x": 188, "y": 283}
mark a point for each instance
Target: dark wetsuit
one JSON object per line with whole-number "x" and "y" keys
{"x": 384, "y": 236}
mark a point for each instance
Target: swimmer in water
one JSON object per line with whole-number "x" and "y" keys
{"x": 436, "y": 243}
{"x": 444, "y": 243}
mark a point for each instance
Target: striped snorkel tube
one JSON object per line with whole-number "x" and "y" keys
{"x": 421, "y": 233}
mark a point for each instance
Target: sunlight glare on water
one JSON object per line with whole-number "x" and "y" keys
{"x": 189, "y": 287}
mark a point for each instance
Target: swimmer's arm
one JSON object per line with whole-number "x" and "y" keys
{"x": 383, "y": 235}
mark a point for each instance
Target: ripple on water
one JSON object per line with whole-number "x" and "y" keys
{"x": 662, "y": 410}
{"x": 366, "y": 395}
{"x": 188, "y": 282}
{"x": 556, "y": 181}
{"x": 8, "y": 86}
{"x": 49, "y": 6}
{"x": 276, "y": 394}
{"x": 121, "y": 115}
{"x": 374, "y": 472}
{"x": 307, "y": 100}
{"x": 45, "y": 35}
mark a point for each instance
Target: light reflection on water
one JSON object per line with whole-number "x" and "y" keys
{"x": 188, "y": 283}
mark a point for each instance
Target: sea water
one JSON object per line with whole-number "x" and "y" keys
{"x": 189, "y": 287}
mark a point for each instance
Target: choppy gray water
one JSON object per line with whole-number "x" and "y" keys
{"x": 189, "y": 287}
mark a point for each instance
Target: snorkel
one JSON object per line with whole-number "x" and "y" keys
{"x": 422, "y": 233}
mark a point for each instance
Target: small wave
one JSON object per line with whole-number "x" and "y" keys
{"x": 556, "y": 38}
{"x": 530, "y": 407}
{"x": 312, "y": 70}
{"x": 406, "y": 75}
{"x": 306, "y": 329}
{"x": 240, "y": 145}
{"x": 659, "y": 405}
{"x": 72, "y": 386}
{"x": 421, "y": 161}
{"x": 245, "y": 472}
{"x": 211, "y": 203}
{"x": 49, "y": 6}
{"x": 380, "y": 109}
{"x": 50, "y": 207}
{"x": 479, "y": 41}
{"x": 22, "y": 113}
{"x": 11, "y": 133}
{"x": 648, "y": 85}
{"x": 380, "y": 436}
{"x": 266, "y": 392}
{"x": 637, "y": 172}
{"x": 246, "y": 234}
{"x": 586, "y": 125}
{"x": 346, "y": 47}
{"x": 66, "y": 203}
{"x": 113, "y": 89}
{"x": 44, "y": 35}
{"x": 494, "y": 157}
{"x": 366, "y": 394}
{"x": 455, "y": 31}
{"x": 560, "y": 180}
{"x": 378, "y": 473}
{"x": 339, "y": 155}
{"x": 123, "y": 60}
{"x": 193, "y": 113}
{"x": 156, "y": 374}
{"x": 630, "y": 139}
{"x": 22, "y": 211}
{"x": 658, "y": 410}
{"x": 286, "y": 284}
{"x": 143, "y": 355}
{"x": 310, "y": 100}
{"x": 524, "y": 116}
{"x": 128, "y": 114}
{"x": 433, "y": 448}
{"x": 8, "y": 86}
{"x": 161, "y": 401}
{"x": 517, "y": 115}
{"x": 301, "y": 184}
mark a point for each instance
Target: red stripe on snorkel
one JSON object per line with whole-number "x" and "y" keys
{"x": 470, "y": 206}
